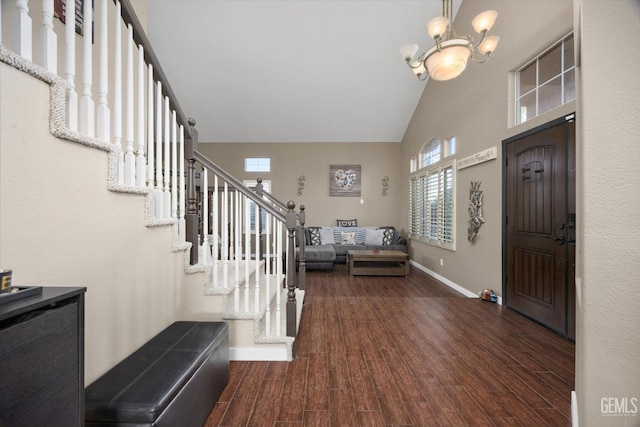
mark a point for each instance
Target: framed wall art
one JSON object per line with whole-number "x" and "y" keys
{"x": 345, "y": 180}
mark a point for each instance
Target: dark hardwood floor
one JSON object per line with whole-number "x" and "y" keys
{"x": 383, "y": 351}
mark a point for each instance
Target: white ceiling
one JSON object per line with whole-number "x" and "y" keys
{"x": 292, "y": 70}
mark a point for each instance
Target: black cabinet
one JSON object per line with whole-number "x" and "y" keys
{"x": 42, "y": 359}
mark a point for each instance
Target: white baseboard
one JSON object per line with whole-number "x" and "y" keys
{"x": 574, "y": 409}
{"x": 444, "y": 280}
{"x": 258, "y": 354}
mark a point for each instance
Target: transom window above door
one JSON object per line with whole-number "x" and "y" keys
{"x": 547, "y": 81}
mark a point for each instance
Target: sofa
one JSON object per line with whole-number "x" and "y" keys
{"x": 327, "y": 246}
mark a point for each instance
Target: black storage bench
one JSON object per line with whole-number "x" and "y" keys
{"x": 173, "y": 380}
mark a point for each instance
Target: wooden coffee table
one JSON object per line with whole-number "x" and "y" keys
{"x": 377, "y": 263}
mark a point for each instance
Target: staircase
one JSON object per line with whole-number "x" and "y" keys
{"x": 154, "y": 167}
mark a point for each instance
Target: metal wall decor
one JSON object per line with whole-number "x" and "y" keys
{"x": 385, "y": 186}
{"x": 301, "y": 184}
{"x": 475, "y": 210}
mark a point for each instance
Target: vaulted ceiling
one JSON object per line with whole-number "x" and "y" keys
{"x": 292, "y": 70}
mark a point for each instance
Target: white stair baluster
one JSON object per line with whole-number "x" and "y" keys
{"x": 158, "y": 191}
{"x": 174, "y": 165}
{"x": 182, "y": 191}
{"x": 87, "y": 106}
{"x": 267, "y": 293}
{"x": 48, "y": 39}
{"x": 150, "y": 130}
{"x": 278, "y": 277}
{"x": 141, "y": 169}
{"x": 166, "y": 202}
{"x": 237, "y": 227}
{"x": 225, "y": 234}
{"x": 22, "y": 30}
{"x": 70, "y": 67}
{"x": 216, "y": 232}
{"x": 247, "y": 252}
{"x": 103, "y": 114}
{"x": 204, "y": 184}
{"x": 129, "y": 157}
{"x": 257, "y": 277}
{"x": 215, "y": 226}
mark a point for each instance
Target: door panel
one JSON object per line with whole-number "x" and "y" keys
{"x": 536, "y": 193}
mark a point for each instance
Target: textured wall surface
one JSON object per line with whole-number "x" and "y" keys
{"x": 607, "y": 343}
{"x": 60, "y": 226}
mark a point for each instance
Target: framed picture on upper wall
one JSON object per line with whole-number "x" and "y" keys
{"x": 345, "y": 180}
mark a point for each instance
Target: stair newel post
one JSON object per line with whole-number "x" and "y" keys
{"x": 292, "y": 221}
{"x": 302, "y": 269}
{"x": 191, "y": 215}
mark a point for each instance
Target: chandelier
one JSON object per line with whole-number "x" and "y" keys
{"x": 448, "y": 58}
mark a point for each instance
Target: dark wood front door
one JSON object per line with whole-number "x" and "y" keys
{"x": 540, "y": 225}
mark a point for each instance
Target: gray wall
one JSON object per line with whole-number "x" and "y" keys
{"x": 290, "y": 161}
{"x": 475, "y": 107}
{"x": 608, "y": 294}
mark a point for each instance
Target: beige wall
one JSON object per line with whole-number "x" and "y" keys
{"x": 608, "y": 303}
{"x": 475, "y": 108}
{"x": 290, "y": 161}
{"x": 59, "y": 226}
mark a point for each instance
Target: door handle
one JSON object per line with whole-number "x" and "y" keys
{"x": 559, "y": 239}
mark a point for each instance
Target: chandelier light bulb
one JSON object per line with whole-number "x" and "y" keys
{"x": 488, "y": 45}
{"x": 408, "y": 51}
{"x": 484, "y": 21}
{"x": 437, "y": 27}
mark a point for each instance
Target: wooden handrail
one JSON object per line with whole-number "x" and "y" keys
{"x": 234, "y": 182}
{"x": 139, "y": 36}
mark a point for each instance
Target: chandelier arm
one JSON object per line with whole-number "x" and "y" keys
{"x": 483, "y": 34}
{"x": 419, "y": 61}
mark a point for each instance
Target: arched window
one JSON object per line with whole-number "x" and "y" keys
{"x": 431, "y": 152}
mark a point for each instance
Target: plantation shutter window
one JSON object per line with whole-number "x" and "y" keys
{"x": 432, "y": 210}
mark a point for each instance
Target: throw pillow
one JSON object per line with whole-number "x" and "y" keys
{"x": 326, "y": 236}
{"x": 347, "y": 222}
{"x": 349, "y": 238}
{"x": 374, "y": 237}
{"x": 387, "y": 237}
{"x": 314, "y": 234}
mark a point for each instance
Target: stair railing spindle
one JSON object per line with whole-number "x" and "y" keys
{"x": 150, "y": 130}
{"x": 70, "y": 67}
{"x": 182, "y": 191}
{"x": 258, "y": 220}
{"x": 204, "y": 186}
{"x": 129, "y": 157}
{"x": 117, "y": 93}
{"x": 158, "y": 192}
{"x": 103, "y": 127}
{"x": 22, "y": 42}
{"x": 48, "y": 39}
{"x": 279, "y": 276}
{"x": 267, "y": 297}
{"x": 166, "y": 202}
{"x": 247, "y": 251}
{"x": 174, "y": 166}
{"x": 87, "y": 106}
{"x": 141, "y": 166}
{"x": 225, "y": 231}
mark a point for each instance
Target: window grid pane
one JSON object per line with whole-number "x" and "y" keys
{"x": 546, "y": 82}
{"x": 257, "y": 164}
